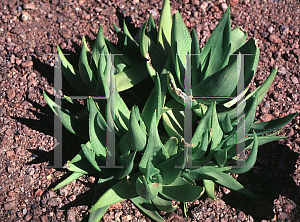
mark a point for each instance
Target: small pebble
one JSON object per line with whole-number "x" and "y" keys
{"x": 223, "y": 6}
{"x": 270, "y": 29}
{"x": 25, "y": 17}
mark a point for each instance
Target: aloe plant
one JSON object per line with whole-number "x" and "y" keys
{"x": 157, "y": 169}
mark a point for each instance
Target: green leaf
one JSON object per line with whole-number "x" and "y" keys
{"x": 121, "y": 61}
{"x": 226, "y": 124}
{"x": 221, "y": 157}
{"x": 261, "y": 141}
{"x": 130, "y": 77}
{"x": 155, "y": 150}
{"x": 250, "y": 61}
{"x": 219, "y": 84}
{"x": 249, "y": 163}
{"x": 121, "y": 37}
{"x": 196, "y": 66}
{"x": 82, "y": 166}
{"x": 104, "y": 183}
{"x": 215, "y": 53}
{"x": 233, "y": 113}
{"x": 181, "y": 190}
{"x": 164, "y": 80}
{"x": 270, "y": 126}
{"x": 144, "y": 40}
{"x": 97, "y": 129}
{"x": 210, "y": 188}
{"x": 125, "y": 144}
{"x": 122, "y": 113}
{"x": 216, "y": 131}
{"x": 237, "y": 39}
{"x": 131, "y": 49}
{"x": 126, "y": 31}
{"x": 73, "y": 76}
{"x": 152, "y": 31}
{"x": 156, "y": 58}
{"x": 84, "y": 69}
{"x": 170, "y": 169}
{"x": 145, "y": 190}
{"x": 188, "y": 178}
{"x": 69, "y": 179}
{"x": 122, "y": 190}
{"x": 181, "y": 45}
{"x": 96, "y": 215}
{"x": 214, "y": 168}
{"x": 153, "y": 103}
{"x": 147, "y": 207}
{"x": 227, "y": 181}
{"x": 171, "y": 146}
{"x": 163, "y": 204}
{"x": 74, "y": 123}
{"x": 91, "y": 156}
{"x": 152, "y": 174}
{"x": 203, "y": 126}
{"x": 248, "y": 120}
{"x": 165, "y": 26}
{"x": 98, "y": 49}
{"x": 173, "y": 119}
{"x": 201, "y": 148}
{"x": 236, "y": 98}
{"x": 102, "y": 83}
{"x": 127, "y": 161}
{"x": 138, "y": 136}
{"x": 265, "y": 86}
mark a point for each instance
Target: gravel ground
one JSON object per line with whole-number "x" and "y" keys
{"x": 29, "y": 30}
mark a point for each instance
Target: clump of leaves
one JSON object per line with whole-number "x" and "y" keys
{"x": 150, "y": 169}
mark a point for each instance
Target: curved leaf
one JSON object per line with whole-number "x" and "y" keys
{"x": 127, "y": 161}
{"x": 165, "y": 26}
{"x": 98, "y": 49}
{"x": 73, "y": 75}
{"x": 124, "y": 189}
{"x": 138, "y": 136}
{"x": 210, "y": 188}
{"x": 153, "y": 103}
{"x": 171, "y": 146}
{"x": 74, "y": 123}
{"x": 163, "y": 204}
{"x": 181, "y": 190}
{"x": 145, "y": 190}
{"x": 215, "y": 53}
{"x": 237, "y": 38}
{"x": 226, "y": 180}
{"x": 249, "y": 163}
{"x": 91, "y": 156}
{"x": 270, "y": 126}
{"x": 155, "y": 150}
{"x": 147, "y": 207}
{"x": 196, "y": 66}
{"x": 131, "y": 76}
{"x": 170, "y": 169}
{"x": 69, "y": 179}
{"x": 152, "y": 31}
{"x": 181, "y": 45}
{"x": 84, "y": 69}
{"x": 97, "y": 129}
{"x": 219, "y": 84}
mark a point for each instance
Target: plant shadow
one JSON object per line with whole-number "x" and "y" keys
{"x": 270, "y": 180}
